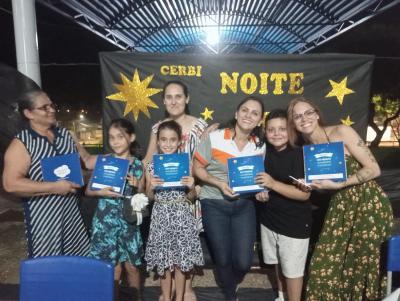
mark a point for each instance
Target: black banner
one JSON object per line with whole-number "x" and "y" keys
{"x": 338, "y": 83}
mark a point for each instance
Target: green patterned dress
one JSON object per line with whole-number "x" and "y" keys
{"x": 346, "y": 263}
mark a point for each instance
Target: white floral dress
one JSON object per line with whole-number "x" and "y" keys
{"x": 189, "y": 143}
{"x": 173, "y": 239}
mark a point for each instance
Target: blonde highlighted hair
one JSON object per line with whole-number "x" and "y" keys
{"x": 295, "y": 138}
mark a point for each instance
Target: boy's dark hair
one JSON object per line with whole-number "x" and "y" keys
{"x": 276, "y": 113}
{"x": 127, "y": 127}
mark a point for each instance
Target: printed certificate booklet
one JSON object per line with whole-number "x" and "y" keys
{"x": 109, "y": 172}
{"x": 242, "y": 171}
{"x": 324, "y": 162}
{"x": 62, "y": 167}
{"x": 171, "y": 168}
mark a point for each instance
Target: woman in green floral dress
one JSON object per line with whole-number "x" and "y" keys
{"x": 346, "y": 263}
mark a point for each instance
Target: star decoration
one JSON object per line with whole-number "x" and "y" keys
{"x": 207, "y": 114}
{"x": 135, "y": 94}
{"x": 339, "y": 90}
{"x": 262, "y": 122}
{"x": 347, "y": 121}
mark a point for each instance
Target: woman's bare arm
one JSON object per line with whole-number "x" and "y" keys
{"x": 16, "y": 167}
{"x": 199, "y": 170}
{"x": 88, "y": 159}
{"x": 151, "y": 149}
{"x": 361, "y": 152}
{"x": 357, "y": 148}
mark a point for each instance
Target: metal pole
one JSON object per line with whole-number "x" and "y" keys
{"x": 26, "y": 42}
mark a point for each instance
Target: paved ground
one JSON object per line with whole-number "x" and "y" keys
{"x": 256, "y": 286}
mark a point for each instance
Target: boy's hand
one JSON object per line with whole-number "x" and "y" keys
{"x": 262, "y": 196}
{"x": 301, "y": 184}
{"x": 265, "y": 180}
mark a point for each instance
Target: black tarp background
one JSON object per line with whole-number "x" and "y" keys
{"x": 247, "y": 74}
{"x": 12, "y": 84}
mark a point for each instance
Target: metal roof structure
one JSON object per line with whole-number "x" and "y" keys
{"x": 219, "y": 26}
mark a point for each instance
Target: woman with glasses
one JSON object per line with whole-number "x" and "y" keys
{"x": 54, "y": 225}
{"x": 346, "y": 263}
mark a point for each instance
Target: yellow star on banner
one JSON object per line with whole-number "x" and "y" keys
{"x": 207, "y": 114}
{"x": 339, "y": 90}
{"x": 262, "y": 122}
{"x": 136, "y": 94}
{"x": 347, "y": 121}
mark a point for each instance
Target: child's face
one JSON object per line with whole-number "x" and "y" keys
{"x": 119, "y": 141}
{"x": 168, "y": 141}
{"x": 276, "y": 133}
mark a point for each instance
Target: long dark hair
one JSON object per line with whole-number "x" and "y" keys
{"x": 185, "y": 92}
{"x": 257, "y": 131}
{"x": 126, "y": 126}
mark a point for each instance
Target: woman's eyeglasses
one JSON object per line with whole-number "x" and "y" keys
{"x": 309, "y": 114}
{"x": 47, "y": 108}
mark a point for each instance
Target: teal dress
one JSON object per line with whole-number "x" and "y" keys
{"x": 346, "y": 263}
{"x": 113, "y": 239}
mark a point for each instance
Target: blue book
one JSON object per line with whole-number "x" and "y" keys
{"x": 242, "y": 171}
{"x": 62, "y": 167}
{"x": 324, "y": 161}
{"x": 171, "y": 168}
{"x": 109, "y": 171}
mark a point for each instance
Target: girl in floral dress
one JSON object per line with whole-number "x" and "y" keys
{"x": 173, "y": 244}
{"x": 113, "y": 238}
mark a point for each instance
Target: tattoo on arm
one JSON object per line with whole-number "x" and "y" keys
{"x": 362, "y": 144}
{"x": 359, "y": 178}
{"x": 364, "y": 175}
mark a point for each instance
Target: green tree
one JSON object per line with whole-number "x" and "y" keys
{"x": 383, "y": 111}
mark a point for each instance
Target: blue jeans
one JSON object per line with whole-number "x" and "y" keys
{"x": 230, "y": 227}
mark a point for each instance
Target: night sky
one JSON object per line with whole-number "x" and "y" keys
{"x": 78, "y": 85}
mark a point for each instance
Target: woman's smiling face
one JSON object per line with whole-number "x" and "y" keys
{"x": 175, "y": 100}
{"x": 249, "y": 115}
{"x": 305, "y": 118}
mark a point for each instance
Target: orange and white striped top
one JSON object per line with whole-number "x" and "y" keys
{"x": 214, "y": 152}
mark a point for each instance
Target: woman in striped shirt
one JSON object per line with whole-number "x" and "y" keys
{"x": 54, "y": 225}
